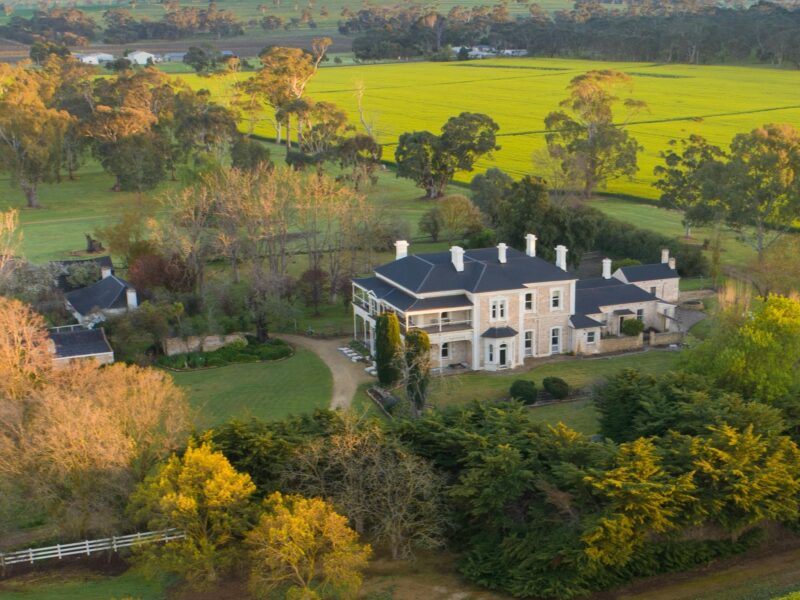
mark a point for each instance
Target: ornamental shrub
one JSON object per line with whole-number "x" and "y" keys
{"x": 556, "y": 387}
{"x": 632, "y": 327}
{"x": 524, "y": 390}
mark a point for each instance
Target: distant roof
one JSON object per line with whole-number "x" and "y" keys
{"x": 483, "y": 272}
{"x": 591, "y": 294}
{"x": 499, "y": 332}
{"x": 649, "y": 272}
{"x": 407, "y": 303}
{"x": 81, "y": 342}
{"x": 105, "y": 294}
{"x": 583, "y": 322}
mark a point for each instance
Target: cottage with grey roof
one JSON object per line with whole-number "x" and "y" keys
{"x": 493, "y": 308}
{"x": 75, "y": 342}
{"x": 109, "y": 296}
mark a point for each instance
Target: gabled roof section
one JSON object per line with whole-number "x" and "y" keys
{"x": 407, "y": 303}
{"x": 483, "y": 272}
{"x": 108, "y": 293}
{"x": 592, "y": 294}
{"x": 80, "y": 342}
{"x": 583, "y": 322}
{"x": 649, "y": 272}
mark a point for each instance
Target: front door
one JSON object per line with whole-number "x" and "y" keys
{"x": 503, "y": 354}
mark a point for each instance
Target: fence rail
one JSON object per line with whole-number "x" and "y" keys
{"x": 88, "y": 547}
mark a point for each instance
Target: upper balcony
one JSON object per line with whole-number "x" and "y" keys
{"x": 438, "y": 326}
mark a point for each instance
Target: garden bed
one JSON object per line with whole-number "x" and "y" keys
{"x": 238, "y": 352}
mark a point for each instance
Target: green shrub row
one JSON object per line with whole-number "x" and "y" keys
{"x": 238, "y": 352}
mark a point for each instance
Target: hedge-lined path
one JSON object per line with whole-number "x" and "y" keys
{"x": 347, "y": 375}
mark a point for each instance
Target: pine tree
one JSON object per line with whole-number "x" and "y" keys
{"x": 418, "y": 365}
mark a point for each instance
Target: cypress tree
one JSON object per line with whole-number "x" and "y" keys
{"x": 388, "y": 348}
{"x": 418, "y": 361}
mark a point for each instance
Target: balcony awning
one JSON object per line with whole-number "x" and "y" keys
{"x": 499, "y": 332}
{"x": 624, "y": 311}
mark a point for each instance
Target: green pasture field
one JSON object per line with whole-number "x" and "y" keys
{"x": 713, "y": 101}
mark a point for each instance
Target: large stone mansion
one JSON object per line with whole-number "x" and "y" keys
{"x": 491, "y": 308}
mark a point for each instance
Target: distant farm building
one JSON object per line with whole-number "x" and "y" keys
{"x": 140, "y": 57}
{"x": 96, "y": 58}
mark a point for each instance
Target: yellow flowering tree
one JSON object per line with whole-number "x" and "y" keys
{"x": 202, "y": 495}
{"x": 302, "y": 546}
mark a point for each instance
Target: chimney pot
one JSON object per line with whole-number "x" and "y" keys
{"x": 530, "y": 244}
{"x": 606, "y": 268}
{"x": 672, "y": 263}
{"x": 106, "y": 272}
{"x": 561, "y": 257}
{"x": 501, "y": 252}
{"x": 664, "y": 255}
{"x": 457, "y": 257}
{"x": 133, "y": 301}
{"x": 401, "y": 249}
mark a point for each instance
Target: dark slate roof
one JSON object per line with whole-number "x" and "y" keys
{"x": 649, "y": 272}
{"x": 406, "y": 302}
{"x": 583, "y": 322}
{"x": 434, "y": 272}
{"x": 499, "y": 332}
{"x": 81, "y": 342}
{"x": 105, "y": 294}
{"x": 61, "y": 280}
{"x": 624, "y": 311}
{"x": 591, "y": 294}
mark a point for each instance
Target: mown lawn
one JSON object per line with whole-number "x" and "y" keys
{"x": 456, "y": 390}
{"x": 81, "y": 586}
{"x": 266, "y": 390}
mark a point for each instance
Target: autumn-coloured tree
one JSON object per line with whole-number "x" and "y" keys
{"x": 31, "y": 129}
{"x": 304, "y": 547}
{"x": 10, "y": 239}
{"x": 201, "y": 494}
{"x": 458, "y": 217}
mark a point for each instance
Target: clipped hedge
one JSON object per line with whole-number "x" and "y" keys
{"x": 556, "y": 387}
{"x": 523, "y": 390}
{"x": 238, "y": 352}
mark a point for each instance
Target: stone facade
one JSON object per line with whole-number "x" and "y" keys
{"x": 209, "y": 343}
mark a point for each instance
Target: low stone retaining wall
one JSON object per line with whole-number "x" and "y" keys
{"x": 196, "y": 343}
{"x": 620, "y": 344}
{"x": 666, "y": 339}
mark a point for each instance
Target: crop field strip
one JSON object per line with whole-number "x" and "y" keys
{"x": 714, "y": 101}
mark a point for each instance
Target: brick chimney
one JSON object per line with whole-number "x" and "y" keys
{"x": 561, "y": 257}
{"x": 501, "y": 252}
{"x": 664, "y": 256}
{"x": 457, "y": 257}
{"x": 401, "y": 249}
{"x": 530, "y": 244}
{"x": 606, "y": 268}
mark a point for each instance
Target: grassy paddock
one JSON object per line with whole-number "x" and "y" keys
{"x": 81, "y": 585}
{"x": 267, "y": 390}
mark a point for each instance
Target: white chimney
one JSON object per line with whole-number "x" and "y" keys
{"x": 606, "y": 268}
{"x": 133, "y": 301}
{"x": 401, "y": 249}
{"x": 457, "y": 257}
{"x": 561, "y": 257}
{"x": 530, "y": 244}
{"x": 664, "y": 255}
{"x": 106, "y": 272}
{"x": 672, "y": 263}
{"x": 501, "y": 252}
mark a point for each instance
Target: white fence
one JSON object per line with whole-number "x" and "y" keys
{"x": 87, "y": 547}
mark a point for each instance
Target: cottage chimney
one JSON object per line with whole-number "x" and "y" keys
{"x": 105, "y": 272}
{"x": 672, "y": 263}
{"x": 401, "y": 249}
{"x": 664, "y": 256}
{"x": 561, "y": 257}
{"x": 457, "y": 257}
{"x": 530, "y": 244}
{"x": 501, "y": 252}
{"x": 606, "y": 268}
{"x": 133, "y": 300}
